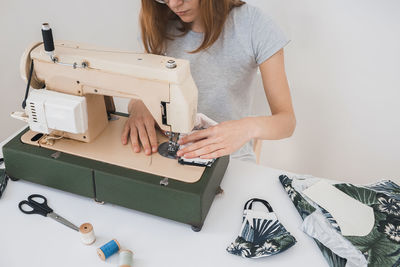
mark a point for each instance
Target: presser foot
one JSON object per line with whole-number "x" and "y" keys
{"x": 169, "y": 149}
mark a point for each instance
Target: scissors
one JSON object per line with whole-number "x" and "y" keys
{"x": 38, "y": 203}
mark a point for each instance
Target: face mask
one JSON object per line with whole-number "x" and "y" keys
{"x": 3, "y": 180}
{"x": 261, "y": 233}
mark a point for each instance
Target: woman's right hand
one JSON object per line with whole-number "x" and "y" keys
{"x": 140, "y": 125}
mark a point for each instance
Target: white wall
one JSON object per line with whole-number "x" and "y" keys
{"x": 102, "y": 22}
{"x": 343, "y": 67}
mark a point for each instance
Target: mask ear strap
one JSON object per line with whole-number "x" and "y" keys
{"x": 249, "y": 204}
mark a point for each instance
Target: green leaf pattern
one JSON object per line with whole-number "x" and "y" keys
{"x": 381, "y": 247}
{"x": 260, "y": 237}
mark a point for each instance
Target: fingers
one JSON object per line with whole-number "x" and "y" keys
{"x": 195, "y": 136}
{"x": 195, "y": 146}
{"x": 134, "y": 140}
{"x": 216, "y": 154}
{"x": 145, "y": 132}
{"x": 144, "y": 139}
{"x": 125, "y": 133}
{"x": 204, "y": 147}
{"x": 151, "y": 131}
{"x": 209, "y": 150}
{"x": 140, "y": 127}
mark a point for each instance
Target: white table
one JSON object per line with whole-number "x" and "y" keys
{"x": 33, "y": 240}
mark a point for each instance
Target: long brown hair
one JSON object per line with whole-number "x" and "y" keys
{"x": 155, "y": 17}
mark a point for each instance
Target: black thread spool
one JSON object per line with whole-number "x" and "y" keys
{"x": 48, "y": 39}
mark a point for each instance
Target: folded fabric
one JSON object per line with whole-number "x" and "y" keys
{"x": 380, "y": 247}
{"x": 3, "y": 179}
{"x": 202, "y": 122}
{"x": 261, "y": 233}
{"x": 196, "y": 161}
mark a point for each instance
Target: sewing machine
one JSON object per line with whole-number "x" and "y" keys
{"x": 74, "y": 138}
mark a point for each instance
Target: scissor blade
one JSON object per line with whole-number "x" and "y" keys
{"x": 60, "y": 219}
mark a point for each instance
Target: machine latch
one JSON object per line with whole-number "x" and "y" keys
{"x": 164, "y": 182}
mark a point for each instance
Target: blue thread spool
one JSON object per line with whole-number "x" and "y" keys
{"x": 108, "y": 249}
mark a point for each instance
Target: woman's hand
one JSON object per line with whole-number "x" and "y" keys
{"x": 216, "y": 141}
{"x": 140, "y": 125}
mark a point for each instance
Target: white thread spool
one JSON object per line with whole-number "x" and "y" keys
{"x": 125, "y": 258}
{"x": 87, "y": 234}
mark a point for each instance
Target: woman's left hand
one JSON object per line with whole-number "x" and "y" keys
{"x": 216, "y": 141}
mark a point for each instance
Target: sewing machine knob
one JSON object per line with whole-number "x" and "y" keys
{"x": 171, "y": 64}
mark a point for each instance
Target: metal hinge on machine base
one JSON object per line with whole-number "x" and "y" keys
{"x": 164, "y": 182}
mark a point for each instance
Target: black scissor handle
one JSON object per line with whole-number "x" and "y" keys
{"x": 37, "y": 207}
{"x": 38, "y": 199}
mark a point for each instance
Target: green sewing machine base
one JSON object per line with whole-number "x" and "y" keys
{"x": 188, "y": 203}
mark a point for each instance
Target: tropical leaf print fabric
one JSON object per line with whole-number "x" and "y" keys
{"x": 3, "y": 180}
{"x": 261, "y": 233}
{"x": 381, "y": 247}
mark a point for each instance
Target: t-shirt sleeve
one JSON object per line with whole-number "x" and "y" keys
{"x": 266, "y": 37}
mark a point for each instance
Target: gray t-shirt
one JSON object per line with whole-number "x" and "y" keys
{"x": 224, "y": 72}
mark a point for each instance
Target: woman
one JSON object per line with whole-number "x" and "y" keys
{"x": 225, "y": 42}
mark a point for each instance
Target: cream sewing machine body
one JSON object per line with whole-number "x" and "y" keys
{"x": 68, "y": 112}
{"x": 164, "y": 84}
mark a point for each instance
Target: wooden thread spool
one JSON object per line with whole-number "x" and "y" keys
{"x": 108, "y": 249}
{"x": 87, "y": 234}
{"x": 125, "y": 258}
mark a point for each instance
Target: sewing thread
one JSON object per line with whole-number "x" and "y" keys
{"x": 87, "y": 234}
{"x": 108, "y": 249}
{"x": 125, "y": 258}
